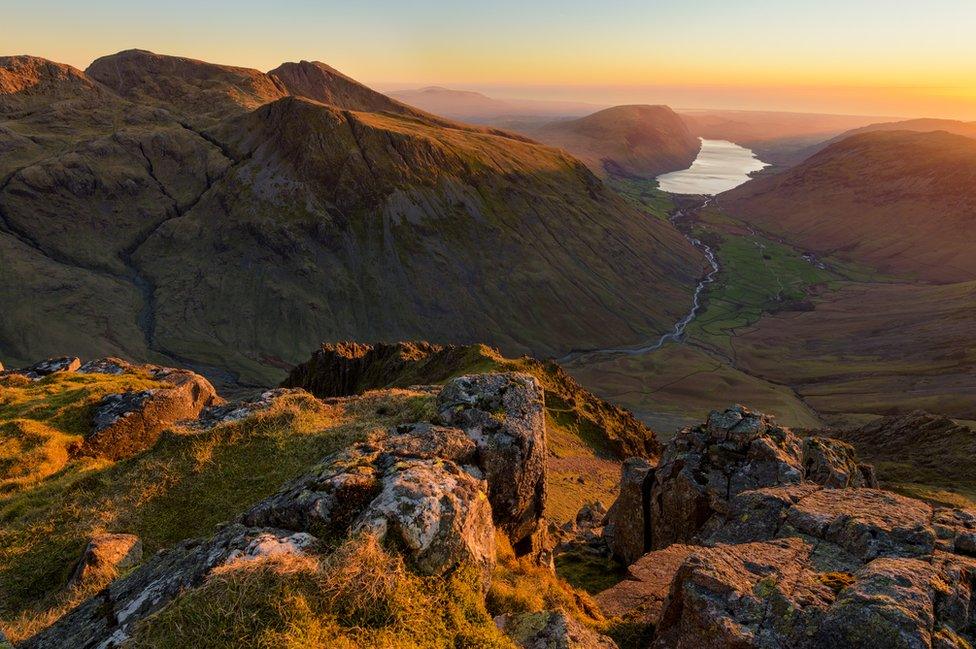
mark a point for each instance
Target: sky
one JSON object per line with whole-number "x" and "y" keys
{"x": 871, "y": 57}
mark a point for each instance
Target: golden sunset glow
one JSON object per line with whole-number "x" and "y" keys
{"x": 867, "y": 56}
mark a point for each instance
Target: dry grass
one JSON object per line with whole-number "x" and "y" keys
{"x": 359, "y": 596}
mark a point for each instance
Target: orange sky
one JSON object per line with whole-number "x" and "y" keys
{"x": 889, "y": 57}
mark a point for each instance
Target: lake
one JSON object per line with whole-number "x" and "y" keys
{"x": 720, "y": 166}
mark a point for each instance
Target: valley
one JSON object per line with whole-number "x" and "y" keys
{"x": 815, "y": 336}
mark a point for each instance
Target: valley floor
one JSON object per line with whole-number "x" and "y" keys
{"x": 816, "y": 341}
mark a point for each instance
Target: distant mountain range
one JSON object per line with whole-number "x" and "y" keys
{"x": 159, "y": 208}
{"x": 477, "y": 107}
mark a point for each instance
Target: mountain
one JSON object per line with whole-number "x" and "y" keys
{"x": 163, "y": 208}
{"x": 922, "y": 125}
{"x": 477, "y": 107}
{"x": 641, "y": 141}
{"x": 898, "y": 201}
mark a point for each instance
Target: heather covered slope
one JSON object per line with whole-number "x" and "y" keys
{"x": 900, "y": 202}
{"x": 166, "y": 194}
{"x": 639, "y": 141}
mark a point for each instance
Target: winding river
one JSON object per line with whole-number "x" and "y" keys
{"x": 719, "y": 167}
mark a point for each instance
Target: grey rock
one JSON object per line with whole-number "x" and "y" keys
{"x": 505, "y": 416}
{"x": 50, "y": 366}
{"x": 626, "y": 531}
{"x": 551, "y": 630}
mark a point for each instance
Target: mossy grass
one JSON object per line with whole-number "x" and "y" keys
{"x": 192, "y": 480}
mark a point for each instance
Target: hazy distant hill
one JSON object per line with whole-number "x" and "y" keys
{"x": 161, "y": 207}
{"x": 475, "y": 106}
{"x": 641, "y": 141}
{"x": 922, "y": 125}
{"x": 900, "y": 201}
{"x": 780, "y": 138}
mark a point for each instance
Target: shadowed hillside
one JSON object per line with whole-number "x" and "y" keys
{"x": 188, "y": 210}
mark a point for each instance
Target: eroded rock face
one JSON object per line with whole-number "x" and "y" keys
{"x": 702, "y": 468}
{"x": 127, "y": 423}
{"x": 107, "y": 619}
{"x": 106, "y": 554}
{"x": 628, "y": 519}
{"x": 806, "y": 567}
{"x": 504, "y": 414}
{"x": 413, "y": 486}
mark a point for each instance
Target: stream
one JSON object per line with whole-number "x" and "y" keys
{"x": 679, "y": 327}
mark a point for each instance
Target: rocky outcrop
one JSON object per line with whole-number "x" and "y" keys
{"x": 413, "y": 486}
{"x": 107, "y": 619}
{"x": 703, "y": 467}
{"x": 504, "y": 414}
{"x": 827, "y": 568}
{"x": 345, "y": 368}
{"x": 627, "y": 532}
{"x": 47, "y": 367}
{"x": 799, "y": 552}
{"x": 552, "y": 630}
{"x": 105, "y": 555}
{"x": 127, "y": 423}
{"x": 424, "y": 489}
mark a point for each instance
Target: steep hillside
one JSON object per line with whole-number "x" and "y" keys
{"x": 900, "y": 202}
{"x": 641, "y": 141}
{"x": 230, "y": 237}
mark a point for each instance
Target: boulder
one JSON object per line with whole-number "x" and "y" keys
{"x": 105, "y": 555}
{"x": 107, "y": 619}
{"x": 626, "y": 530}
{"x": 790, "y": 592}
{"x": 552, "y": 630}
{"x": 504, "y": 414}
{"x": 128, "y": 423}
{"x": 412, "y": 486}
{"x": 224, "y": 413}
{"x": 811, "y": 568}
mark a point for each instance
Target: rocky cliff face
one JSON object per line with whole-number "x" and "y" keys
{"x": 164, "y": 193}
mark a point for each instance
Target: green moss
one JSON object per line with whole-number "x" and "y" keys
{"x": 589, "y": 573}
